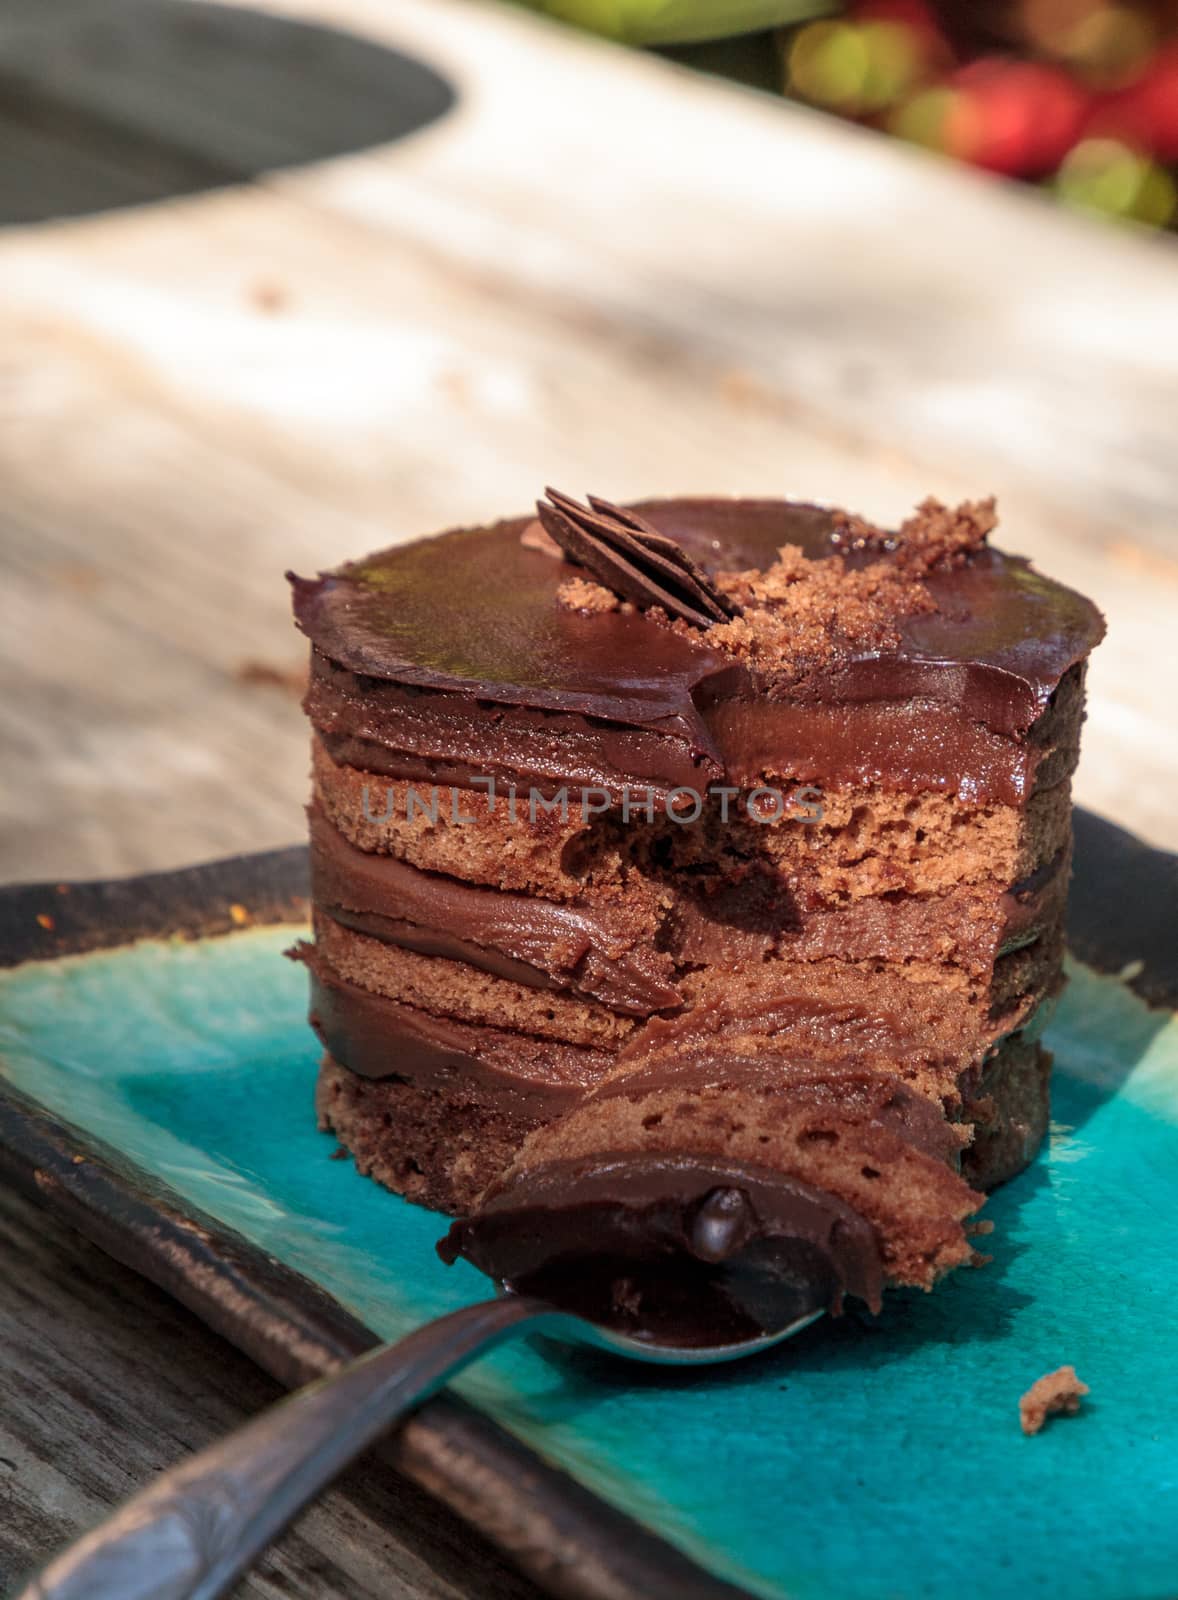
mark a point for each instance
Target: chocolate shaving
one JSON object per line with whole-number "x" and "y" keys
{"x": 632, "y": 559}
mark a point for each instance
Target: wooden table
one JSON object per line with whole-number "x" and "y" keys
{"x": 286, "y": 336}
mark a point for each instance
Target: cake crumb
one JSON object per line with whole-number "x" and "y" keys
{"x": 805, "y": 612}
{"x": 937, "y": 536}
{"x": 581, "y": 594}
{"x": 1058, "y": 1391}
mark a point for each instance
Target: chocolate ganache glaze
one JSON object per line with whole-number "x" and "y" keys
{"x": 673, "y": 1249}
{"x": 509, "y": 676}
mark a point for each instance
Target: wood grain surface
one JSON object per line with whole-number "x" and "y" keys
{"x": 71, "y": 1446}
{"x": 284, "y": 284}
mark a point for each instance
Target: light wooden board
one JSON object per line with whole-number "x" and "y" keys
{"x": 597, "y": 270}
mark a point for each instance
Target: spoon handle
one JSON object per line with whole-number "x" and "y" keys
{"x": 197, "y": 1527}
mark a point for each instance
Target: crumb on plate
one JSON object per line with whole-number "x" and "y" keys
{"x": 1055, "y": 1391}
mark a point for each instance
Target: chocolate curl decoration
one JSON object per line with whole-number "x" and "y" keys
{"x": 633, "y": 560}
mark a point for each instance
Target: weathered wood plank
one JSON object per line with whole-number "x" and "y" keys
{"x": 884, "y": 294}
{"x": 90, "y": 1415}
{"x": 895, "y": 296}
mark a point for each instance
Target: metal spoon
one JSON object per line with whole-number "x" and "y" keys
{"x": 195, "y": 1530}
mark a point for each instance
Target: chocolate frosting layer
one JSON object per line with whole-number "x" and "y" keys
{"x": 1002, "y": 637}
{"x": 474, "y": 613}
{"x": 675, "y": 1249}
{"x": 1040, "y": 898}
{"x": 528, "y": 940}
{"x": 913, "y": 744}
{"x": 381, "y": 1038}
{"x": 443, "y": 738}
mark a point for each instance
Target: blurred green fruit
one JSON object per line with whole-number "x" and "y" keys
{"x": 679, "y": 21}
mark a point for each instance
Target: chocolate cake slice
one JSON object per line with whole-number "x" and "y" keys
{"x": 689, "y": 883}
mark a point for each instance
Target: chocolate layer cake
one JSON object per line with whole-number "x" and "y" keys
{"x": 689, "y": 884}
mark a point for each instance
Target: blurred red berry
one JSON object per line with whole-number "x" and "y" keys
{"x": 1143, "y": 115}
{"x": 1017, "y": 118}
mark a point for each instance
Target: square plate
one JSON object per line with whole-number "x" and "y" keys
{"x": 156, "y": 1077}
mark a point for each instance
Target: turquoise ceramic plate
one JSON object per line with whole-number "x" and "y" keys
{"x": 867, "y": 1459}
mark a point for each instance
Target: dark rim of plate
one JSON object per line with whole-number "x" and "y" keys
{"x": 1123, "y": 918}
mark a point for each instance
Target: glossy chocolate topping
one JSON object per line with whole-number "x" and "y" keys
{"x": 531, "y": 941}
{"x": 676, "y": 1249}
{"x": 474, "y": 613}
